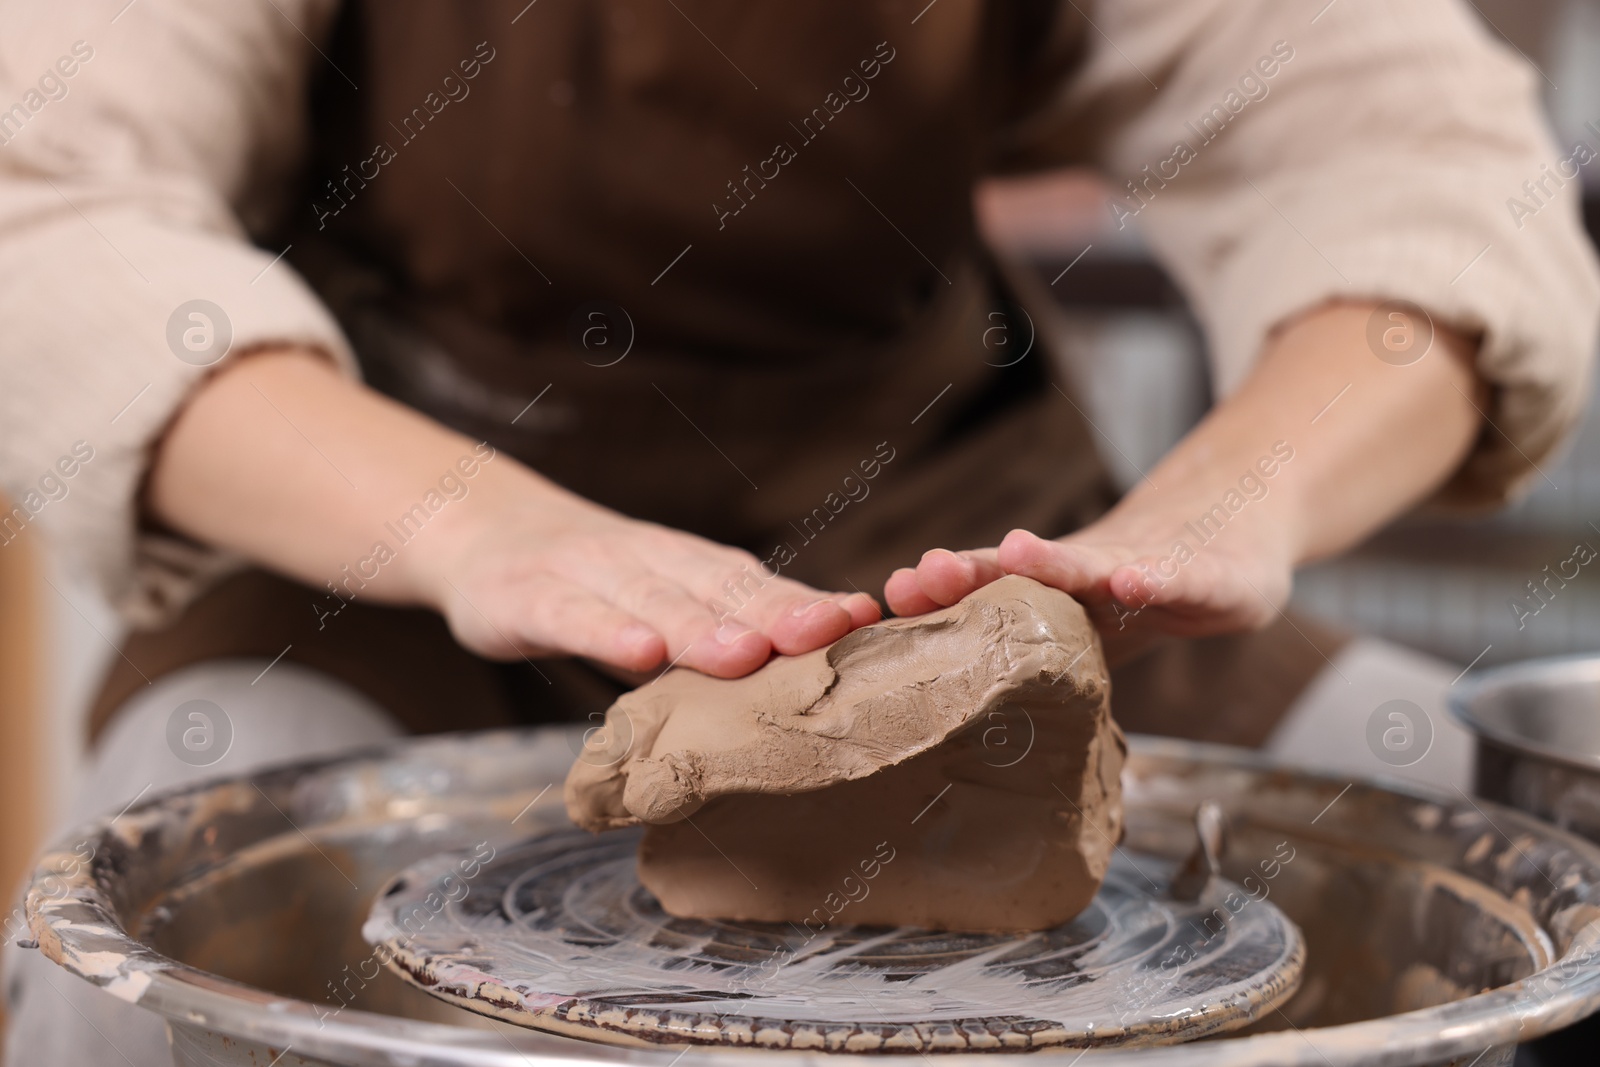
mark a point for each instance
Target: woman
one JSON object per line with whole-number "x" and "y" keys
{"x": 675, "y": 330}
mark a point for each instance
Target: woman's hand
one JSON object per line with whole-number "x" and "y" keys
{"x": 1322, "y": 444}
{"x": 536, "y": 571}
{"x": 1127, "y": 572}
{"x": 281, "y": 459}
{"x": 1163, "y": 562}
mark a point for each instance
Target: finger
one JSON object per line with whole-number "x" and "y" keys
{"x": 795, "y": 617}
{"x": 576, "y": 622}
{"x": 822, "y": 622}
{"x": 862, "y": 609}
{"x": 810, "y": 626}
{"x": 946, "y": 577}
{"x": 695, "y": 637}
{"x": 1071, "y": 569}
{"x": 1138, "y": 585}
{"x": 905, "y": 596}
{"x": 546, "y": 616}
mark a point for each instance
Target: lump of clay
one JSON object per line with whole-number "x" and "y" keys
{"x": 955, "y": 771}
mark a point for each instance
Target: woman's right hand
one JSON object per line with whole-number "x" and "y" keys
{"x": 283, "y": 460}
{"x": 532, "y": 570}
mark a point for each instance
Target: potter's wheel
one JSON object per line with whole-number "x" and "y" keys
{"x": 1440, "y": 928}
{"x": 557, "y": 934}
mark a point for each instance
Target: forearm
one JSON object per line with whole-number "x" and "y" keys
{"x": 288, "y": 463}
{"x": 1321, "y": 445}
{"x": 283, "y": 460}
{"x": 1368, "y": 438}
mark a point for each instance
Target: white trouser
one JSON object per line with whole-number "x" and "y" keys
{"x": 289, "y": 713}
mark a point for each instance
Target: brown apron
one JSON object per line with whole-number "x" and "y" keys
{"x": 706, "y": 263}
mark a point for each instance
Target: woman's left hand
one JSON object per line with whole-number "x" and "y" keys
{"x": 1136, "y": 584}
{"x": 1321, "y": 445}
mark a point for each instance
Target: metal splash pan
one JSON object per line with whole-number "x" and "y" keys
{"x": 1439, "y": 928}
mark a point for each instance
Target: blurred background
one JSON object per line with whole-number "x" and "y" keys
{"x": 1442, "y": 588}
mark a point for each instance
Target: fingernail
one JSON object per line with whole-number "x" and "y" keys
{"x": 636, "y": 633}
{"x": 807, "y": 608}
{"x": 729, "y": 632}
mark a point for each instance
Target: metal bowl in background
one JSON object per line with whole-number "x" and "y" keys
{"x": 1538, "y": 729}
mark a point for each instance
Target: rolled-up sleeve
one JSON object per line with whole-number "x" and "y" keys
{"x": 1277, "y": 156}
{"x": 140, "y": 146}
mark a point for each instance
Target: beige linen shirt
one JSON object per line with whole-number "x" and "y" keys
{"x": 142, "y": 145}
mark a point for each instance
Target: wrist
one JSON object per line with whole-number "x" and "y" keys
{"x": 1244, "y": 513}
{"x": 501, "y": 498}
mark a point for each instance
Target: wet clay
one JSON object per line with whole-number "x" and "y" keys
{"x": 957, "y": 770}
